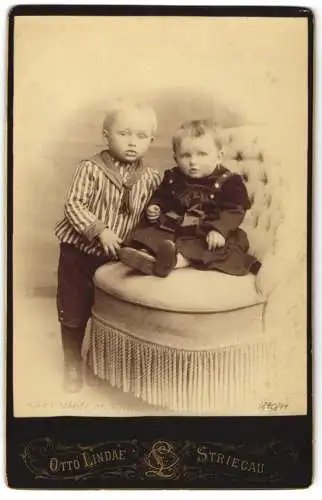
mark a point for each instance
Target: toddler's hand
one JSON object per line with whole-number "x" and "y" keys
{"x": 153, "y": 213}
{"x": 110, "y": 242}
{"x": 215, "y": 240}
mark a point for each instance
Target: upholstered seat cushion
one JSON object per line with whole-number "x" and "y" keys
{"x": 184, "y": 290}
{"x": 193, "y": 341}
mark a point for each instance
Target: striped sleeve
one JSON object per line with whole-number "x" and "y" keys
{"x": 157, "y": 179}
{"x": 79, "y": 198}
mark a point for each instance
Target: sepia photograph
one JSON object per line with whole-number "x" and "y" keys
{"x": 160, "y": 216}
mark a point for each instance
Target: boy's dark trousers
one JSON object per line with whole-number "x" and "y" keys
{"x": 75, "y": 295}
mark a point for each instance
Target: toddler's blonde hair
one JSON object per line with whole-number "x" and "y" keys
{"x": 119, "y": 105}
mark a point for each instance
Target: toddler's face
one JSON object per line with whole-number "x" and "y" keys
{"x": 130, "y": 135}
{"x": 197, "y": 156}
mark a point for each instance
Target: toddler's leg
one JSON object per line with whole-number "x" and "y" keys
{"x": 165, "y": 260}
{"x": 137, "y": 258}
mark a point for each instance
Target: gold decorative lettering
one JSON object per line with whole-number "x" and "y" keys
{"x": 53, "y": 464}
{"x": 244, "y": 465}
{"x": 202, "y": 456}
{"x": 260, "y": 468}
{"x": 252, "y": 467}
{"x": 86, "y": 459}
{"x": 235, "y": 462}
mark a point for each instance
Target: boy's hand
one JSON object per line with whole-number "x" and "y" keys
{"x": 215, "y": 240}
{"x": 153, "y": 213}
{"x": 110, "y": 242}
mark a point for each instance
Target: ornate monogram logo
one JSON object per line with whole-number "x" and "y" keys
{"x": 162, "y": 461}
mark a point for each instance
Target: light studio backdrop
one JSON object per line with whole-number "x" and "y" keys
{"x": 244, "y": 71}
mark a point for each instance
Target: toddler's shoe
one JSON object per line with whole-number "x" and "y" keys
{"x": 166, "y": 259}
{"x": 137, "y": 259}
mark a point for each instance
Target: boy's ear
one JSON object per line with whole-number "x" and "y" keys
{"x": 106, "y": 137}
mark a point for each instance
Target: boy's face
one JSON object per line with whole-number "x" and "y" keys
{"x": 130, "y": 135}
{"x": 197, "y": 156}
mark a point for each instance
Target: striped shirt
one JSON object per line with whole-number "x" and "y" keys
{"x": 93, "y": 203}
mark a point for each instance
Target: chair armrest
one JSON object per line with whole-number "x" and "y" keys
{"x": 278, "y": 266}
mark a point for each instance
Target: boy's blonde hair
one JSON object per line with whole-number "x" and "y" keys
{"x": 196, "y": 128}
{"x": 119, "y": 105}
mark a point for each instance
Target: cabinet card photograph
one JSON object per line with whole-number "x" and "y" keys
{"x": 159, "y": 166}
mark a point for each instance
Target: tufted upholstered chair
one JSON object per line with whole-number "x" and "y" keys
{"x": 197, "y": 342}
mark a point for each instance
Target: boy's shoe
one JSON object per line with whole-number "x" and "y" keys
{"x": 73, "y": 376}
{"x": 166, "y": 259}
{"x": 138, "y": 260}
{"x": 73, "y": 364}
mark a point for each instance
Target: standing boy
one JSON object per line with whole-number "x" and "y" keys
{"x": 105, "y": 201}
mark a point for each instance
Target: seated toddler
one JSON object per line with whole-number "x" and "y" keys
{"x": 194, "y": 216}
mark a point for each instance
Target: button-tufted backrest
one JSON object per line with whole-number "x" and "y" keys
{"x": 245, "y": 151}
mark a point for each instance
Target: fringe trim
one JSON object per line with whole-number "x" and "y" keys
{"x": 181, "y": 380}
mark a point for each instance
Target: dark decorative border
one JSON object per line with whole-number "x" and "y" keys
{"x": 160, "y": 460}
